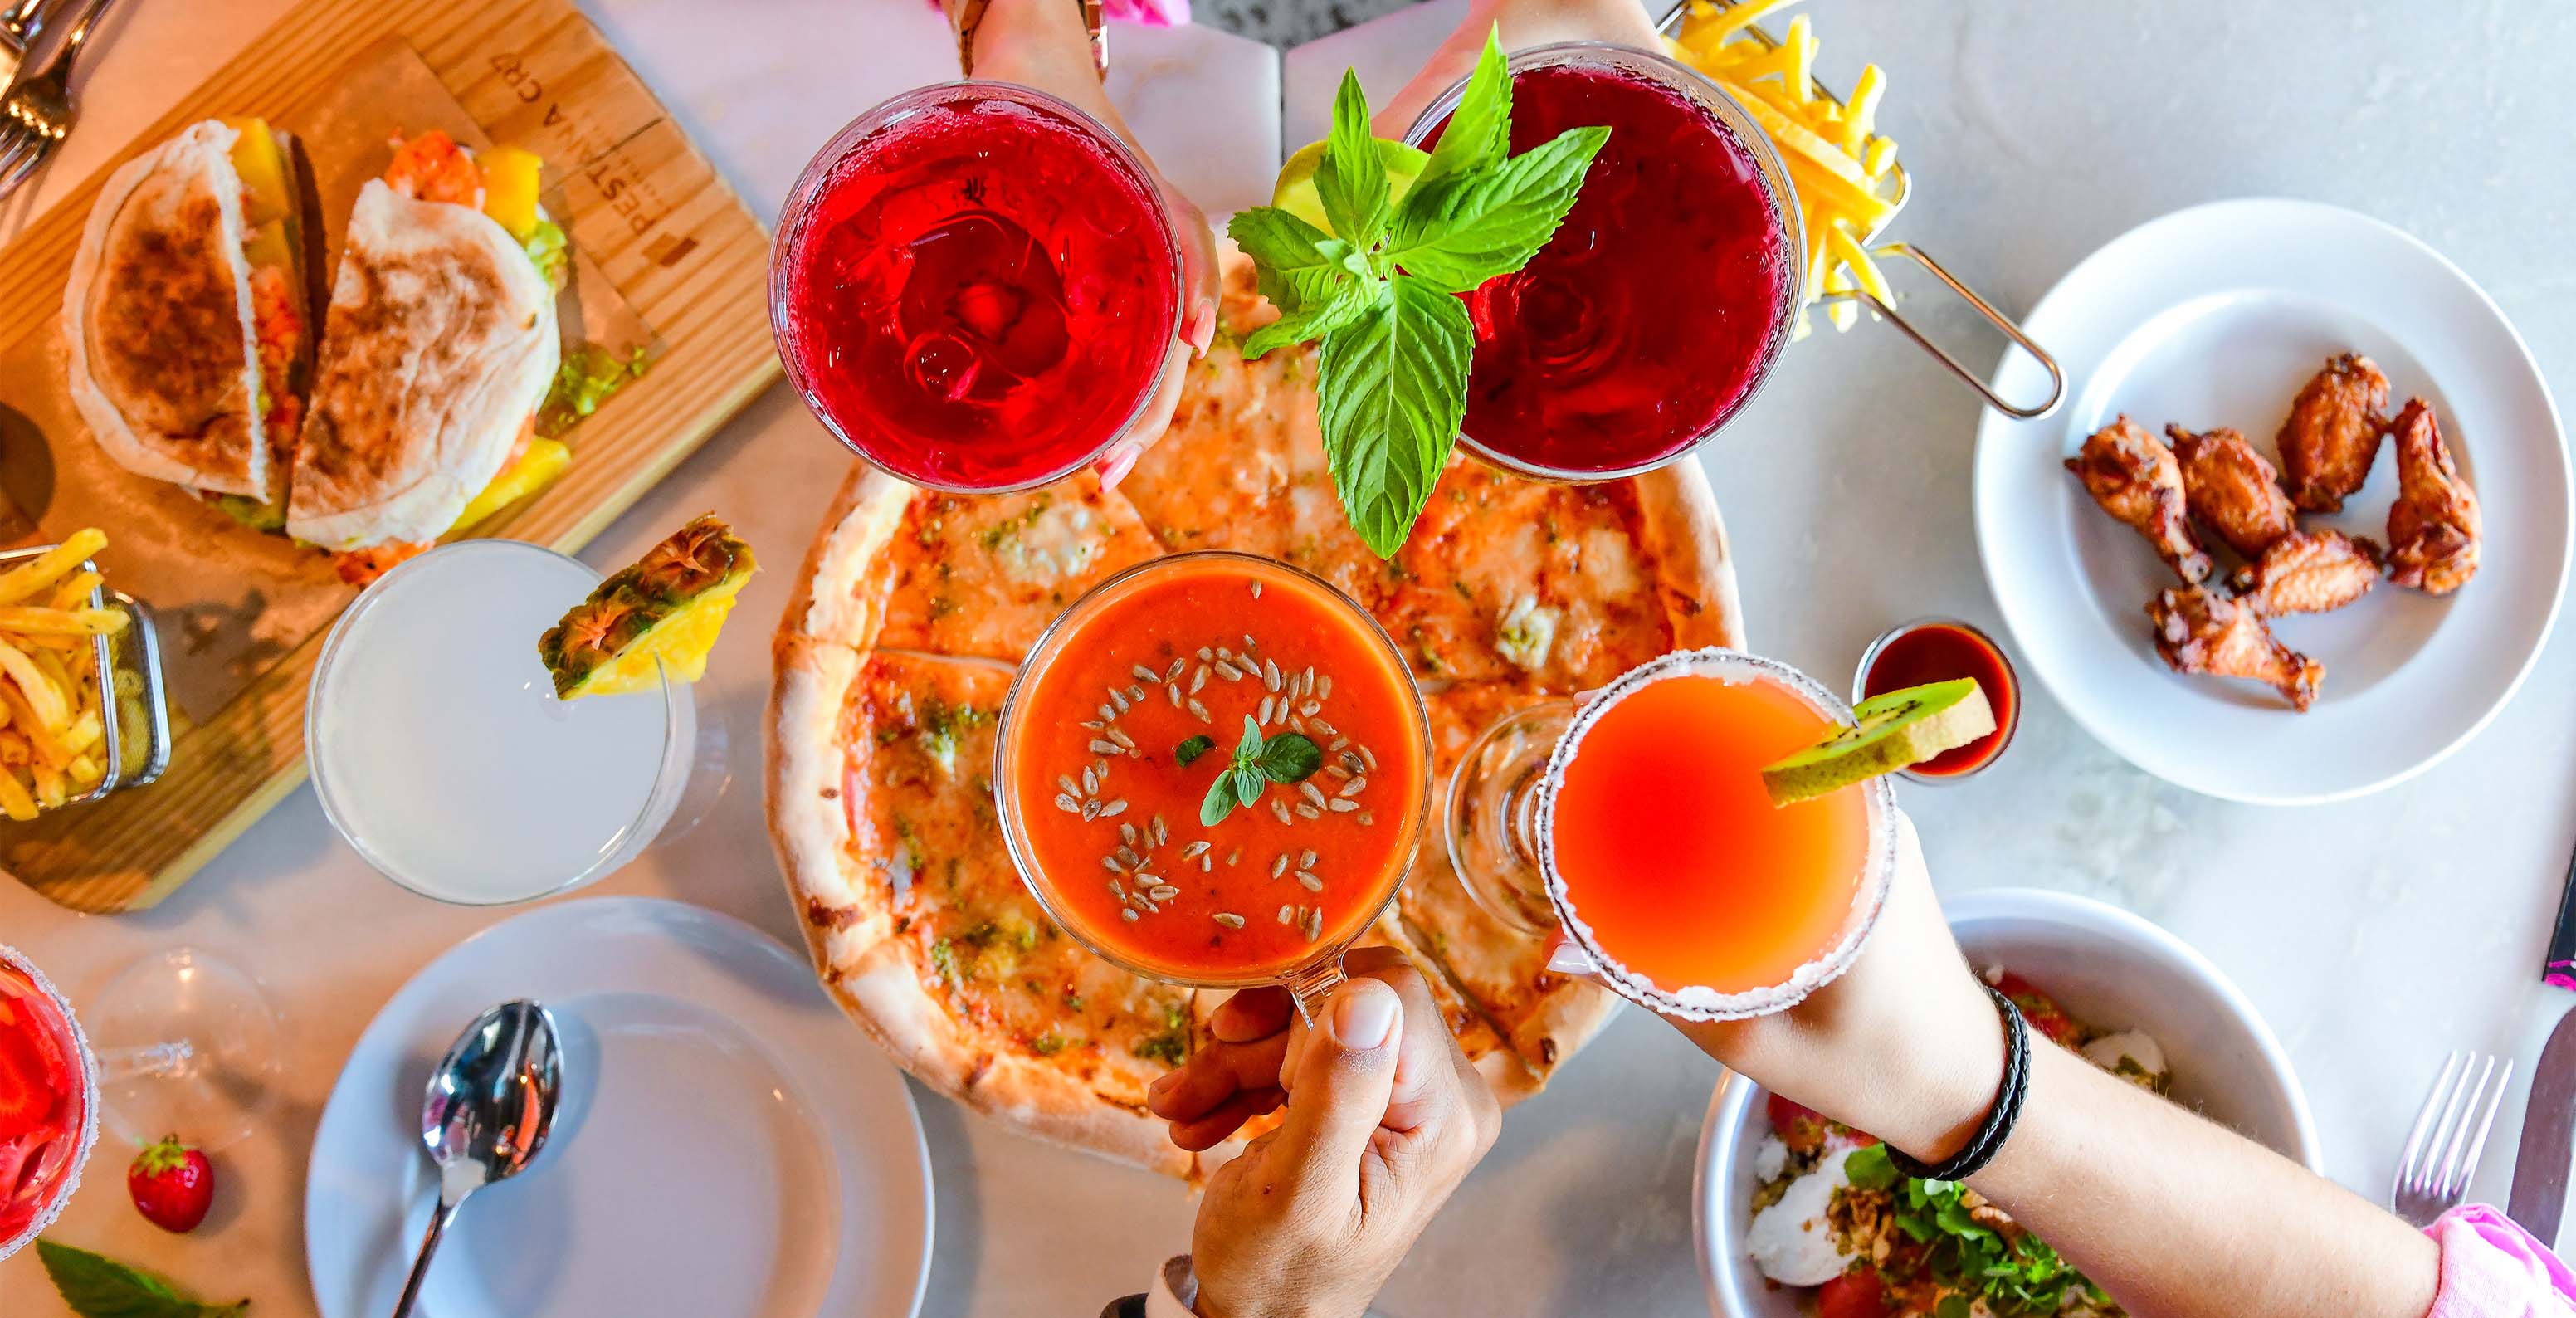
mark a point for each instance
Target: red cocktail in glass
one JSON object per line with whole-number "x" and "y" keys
{"x": 1664, "y": 299}
{"x": 974, "y": 286}
{"x": 48, "y": 1103}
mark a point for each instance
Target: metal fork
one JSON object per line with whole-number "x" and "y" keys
{"x": 2442, "y": 1148}
{"x": 38, "y": 110}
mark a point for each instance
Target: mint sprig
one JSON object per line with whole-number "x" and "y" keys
{"x": 1378, "y": 291}
{"x": 1286, "y": 759}
{"x": 96, "y": 1286}
{"x": 2017, "y": 1275}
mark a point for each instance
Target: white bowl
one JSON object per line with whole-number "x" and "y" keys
{"x": 2108, "y": 968}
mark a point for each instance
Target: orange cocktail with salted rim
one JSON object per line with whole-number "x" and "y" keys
{"x": 1214, "y": 770}
{"x": 1666, "y": 860}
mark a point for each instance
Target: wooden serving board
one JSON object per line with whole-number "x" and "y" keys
{"x": 648, "y": 215}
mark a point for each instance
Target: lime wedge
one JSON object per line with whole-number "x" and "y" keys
{"x": 1295, "y": 191}
{"x": 1888, "y": 733}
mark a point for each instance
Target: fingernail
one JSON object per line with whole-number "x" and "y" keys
{"x": 1161, "y": 1083}
{"x": 1114, "y": 466}
{"x": 1202, "y": 329}
{"x": 1364, "y": 1018}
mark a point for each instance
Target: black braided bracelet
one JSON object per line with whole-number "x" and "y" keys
{"x": 1989, "y": 1139}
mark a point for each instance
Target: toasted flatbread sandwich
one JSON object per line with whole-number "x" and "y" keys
{"x": 185, "y": 320}
{"x": 438, "y": 347}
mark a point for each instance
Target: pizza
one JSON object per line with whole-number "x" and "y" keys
{"x": 894, "y": 656}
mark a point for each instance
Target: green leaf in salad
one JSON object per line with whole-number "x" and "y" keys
{"x": 548, "y": 246}
{"x": 96, "y": 1286}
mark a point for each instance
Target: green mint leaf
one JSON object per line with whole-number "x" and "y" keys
{"x": 1870, "y": 1168}
{"x": 1349, "y": 303}
{"x": 1468, "y": 228}
{"x": 1297, "y": 265}
{"x": 1290, "y": 758}
{"x": 1248, "y": 784}
{"x": 1192, "y": 747}
{"x": 96, "y": 1286}
{"x": 1352, "y": 182}
{"x": 1246, "y": 750}
{"x": 1392, "y": 387}
{"x": 1479, "y": 131}
{"x": 1219, "y": 801}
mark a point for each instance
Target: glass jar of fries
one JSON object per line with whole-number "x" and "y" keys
{"x": 84, "y": 709}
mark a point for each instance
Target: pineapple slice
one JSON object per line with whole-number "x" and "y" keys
{"x": 658, "y": 617}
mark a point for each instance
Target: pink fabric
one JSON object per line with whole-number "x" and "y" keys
{"x": 1153, "y": 13}
{"x": 2492, "y": 1268}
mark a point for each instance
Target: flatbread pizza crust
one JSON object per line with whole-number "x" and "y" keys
{"x": 897, "y": 642}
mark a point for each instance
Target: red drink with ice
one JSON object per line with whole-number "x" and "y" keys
{"x": 48, "y": 1103}
{"x": 974, "y": 286}
{"x": 1662, "y": 302}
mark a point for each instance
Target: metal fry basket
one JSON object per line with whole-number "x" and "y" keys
{"x": 1895, "y": 189}
{"x": 133, "y": 696}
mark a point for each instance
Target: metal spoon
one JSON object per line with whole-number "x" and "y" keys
{"x": 490, "y": 1103}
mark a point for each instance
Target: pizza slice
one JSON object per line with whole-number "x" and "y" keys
{"x": 914, "y": 569}
{"x": 1545, "y": 1017}
{"x": 1561, "y": 586}
{"x": 884, "y": 819}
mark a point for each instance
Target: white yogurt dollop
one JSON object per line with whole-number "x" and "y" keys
{"x": 1791, "y": 1241}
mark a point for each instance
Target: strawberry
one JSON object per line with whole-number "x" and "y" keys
{"x": 172, "y": 1185}
{"x": 26, "y": 1090}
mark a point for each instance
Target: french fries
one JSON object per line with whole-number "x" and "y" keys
{"x": 1844, "y": 169}
{"x": 52, "y": 728}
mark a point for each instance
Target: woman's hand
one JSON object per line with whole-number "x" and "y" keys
{"x": 1042, "y": 44}
{"x": 1385, "y": 1118}
{"x": 1904, "y": 1045}
{"x": 1523, "y": 24}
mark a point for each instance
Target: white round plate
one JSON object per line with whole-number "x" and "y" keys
{"x": 725, "y": 1147}
{"x": 2214, "y": 316}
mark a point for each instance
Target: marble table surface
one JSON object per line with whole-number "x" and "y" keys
{"x": 2374, "y": 935}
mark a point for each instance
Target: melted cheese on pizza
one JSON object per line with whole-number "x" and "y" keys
{"x": 984, "y": 575}
{"x": 919, "y": 733}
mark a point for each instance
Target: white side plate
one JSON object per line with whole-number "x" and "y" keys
{"x": 2214, "y": 316}
{"x": 726, "y": 1146}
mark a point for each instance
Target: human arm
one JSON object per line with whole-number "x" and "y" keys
{"x": 1384, "y": 1118}
{"x": 2174, "y": 1216}
{"x": 1043, "y": 44}
{"x": 1521, "y": 25}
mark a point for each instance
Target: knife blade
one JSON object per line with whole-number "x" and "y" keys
{"x": 2540, "y": 1162}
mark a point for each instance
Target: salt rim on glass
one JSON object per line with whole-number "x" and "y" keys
{"x": 1698, "y": 1002}
{"x": 63, "y": 1191}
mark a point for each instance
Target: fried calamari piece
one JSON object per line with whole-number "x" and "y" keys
{"x": 2434, "y": 527}
{"x": 2231, "y": 489}
{"x": 2200, "y": 631}
{"x": 2309, "y": 572}
{"x": 2135, "y": 479}
{"x": 2333, "y": 433}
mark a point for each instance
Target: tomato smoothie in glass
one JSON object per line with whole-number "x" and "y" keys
{"x": 1665, "y": 297}
{"x": 48, "y": 1102}
{"x": 1133, "y": 705}
{"x": 974, "y": 286}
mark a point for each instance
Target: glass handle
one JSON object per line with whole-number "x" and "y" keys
{"x": 160, "y": 1059}
{"x": 1311, "y": 985}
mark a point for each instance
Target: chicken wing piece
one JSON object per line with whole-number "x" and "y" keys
{"x": 2135, "y": 479}
{"x": 2200, "y": 631}
{"x": 2309, "y": 572}
{"x": 2434, "y": 527}
{"x": 2231, "y": 489}
{"x": 2333, "y": 433}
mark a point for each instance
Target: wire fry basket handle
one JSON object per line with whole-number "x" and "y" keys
{"x": 1994, "y": 317}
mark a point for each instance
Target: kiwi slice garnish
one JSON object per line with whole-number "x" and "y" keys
{"x": 1888, "y": 733}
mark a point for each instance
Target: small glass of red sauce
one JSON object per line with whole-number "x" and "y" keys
{"x": 1942, "y": 650}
